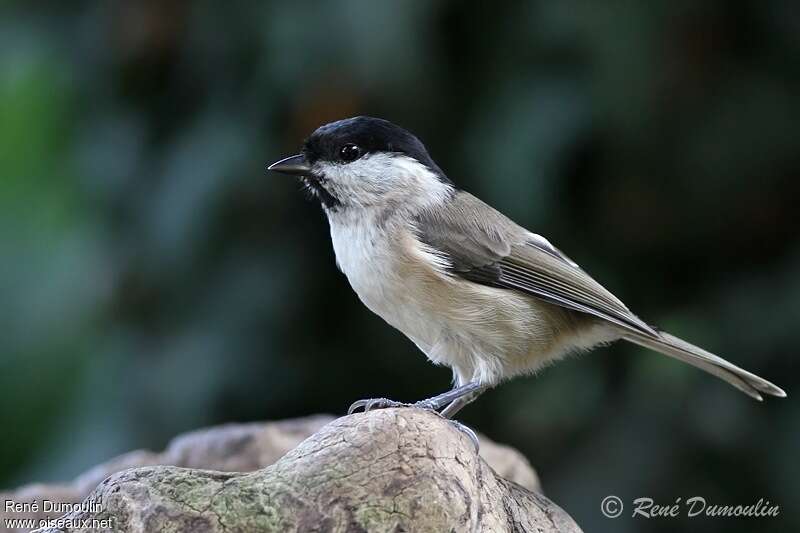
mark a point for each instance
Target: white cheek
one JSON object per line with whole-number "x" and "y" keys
{"x": 371, "y": 173}
{"x": 384, "y": 178}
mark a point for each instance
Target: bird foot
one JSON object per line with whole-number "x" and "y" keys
{"x": 384, "y": 403}
{"x": 466, "y": 430}
{"x": 427, "y": 404}
{"x": 375, "y": 403}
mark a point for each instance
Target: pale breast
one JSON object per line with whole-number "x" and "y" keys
{"x": 378, "y": 269}
{"x": 483, "y": 333}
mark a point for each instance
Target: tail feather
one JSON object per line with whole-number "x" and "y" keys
{"x": 743, "y": 380}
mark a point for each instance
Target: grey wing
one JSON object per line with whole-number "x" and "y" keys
{"x": 484, "y": 246}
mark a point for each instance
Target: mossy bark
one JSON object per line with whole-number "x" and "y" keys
{"x": 390, "y": 470}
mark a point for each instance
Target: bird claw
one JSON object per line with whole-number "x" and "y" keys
{"x": 468, "y": 432}
{"x": 374, "y": 403}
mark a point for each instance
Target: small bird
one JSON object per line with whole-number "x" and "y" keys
{"x": 472, "y": 289}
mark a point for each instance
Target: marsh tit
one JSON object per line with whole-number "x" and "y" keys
{"x": 472, "y": 289}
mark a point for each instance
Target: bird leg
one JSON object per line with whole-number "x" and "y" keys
{"x": 434, "y": 403}
{"x": 455, "y": 406}
{"x": 446, "y": 404}
{"x": 458, "y": 404}
{"x": 460, "y": 396}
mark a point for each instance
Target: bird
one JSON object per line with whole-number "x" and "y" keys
{"x": 474, "y": 291}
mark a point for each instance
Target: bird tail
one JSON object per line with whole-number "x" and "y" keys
{"x": 681, "y": 350}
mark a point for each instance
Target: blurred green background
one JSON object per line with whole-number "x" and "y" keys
{"x": 154, "y": 279}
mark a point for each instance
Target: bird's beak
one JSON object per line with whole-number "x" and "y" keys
{"x": 295, "y": 165}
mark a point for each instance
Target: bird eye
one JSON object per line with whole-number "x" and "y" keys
{"x": 349, "y": 152}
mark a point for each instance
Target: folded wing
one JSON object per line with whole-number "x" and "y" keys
{"x": 484, "y": 246}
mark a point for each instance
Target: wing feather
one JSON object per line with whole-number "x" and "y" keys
{"x": 484, "y": 246}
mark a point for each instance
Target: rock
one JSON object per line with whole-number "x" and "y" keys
{"x": 388, "y": 470}
{"x": 230, "y": 447}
